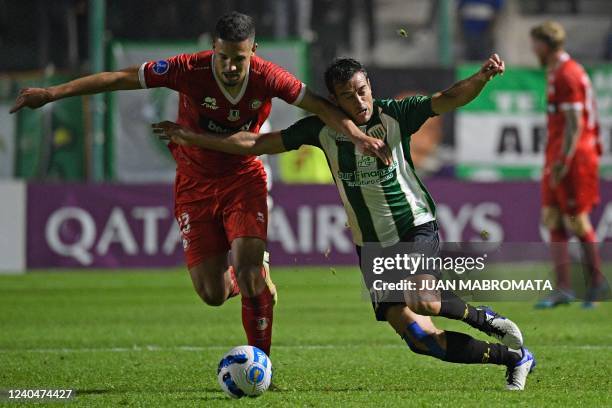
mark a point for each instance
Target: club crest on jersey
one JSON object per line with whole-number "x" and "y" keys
{"x": 378, "y": 131}
{"x": 234, "y": 115}
{"x": 255, "y": 104}
{"x": 210, "y": 103}
{"x": 161, "y": 67}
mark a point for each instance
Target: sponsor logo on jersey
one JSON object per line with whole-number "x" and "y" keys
{"x": 210, "y": 103}
{"x": 364, "y": 177}
{"x": 161, "y": 67}
{"x": 255, "y": 104}
{"x": 234, "y": 115}
{"x": 260, "y": 217}
{"x": 207, "y": 123}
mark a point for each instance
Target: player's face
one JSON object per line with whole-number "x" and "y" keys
{"x": 354, "y": 97}
{"x": 232, "y": 60}
{"x": 541, "y": 50}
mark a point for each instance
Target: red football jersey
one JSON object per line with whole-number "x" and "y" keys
{"x": 569, "y": 87}
{"x": 205, "y": 106}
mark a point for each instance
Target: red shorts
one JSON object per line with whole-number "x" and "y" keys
{"x": 578, "y": 191}
{"x": 212, "y": 213}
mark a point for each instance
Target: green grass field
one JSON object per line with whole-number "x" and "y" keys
{"x": 145, "y": 339}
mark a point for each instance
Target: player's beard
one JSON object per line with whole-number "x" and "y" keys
{"x": 232, "y": 80}
{"x": 543, "y": 63}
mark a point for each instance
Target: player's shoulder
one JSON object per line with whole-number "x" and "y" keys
{"x": 398, "y": 107}
{"x": 264, "y": 68}
{"x": 200, "y": 59}
{"x": 571, "y": 68}
{"x": 194, "y": 61}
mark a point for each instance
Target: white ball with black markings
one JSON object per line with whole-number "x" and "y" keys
{"x": 244, "y": 371}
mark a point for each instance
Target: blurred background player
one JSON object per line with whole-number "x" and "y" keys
{"x": 388, "y": 204}
{"x": 220, "y": 199}
{"x": 570, "y": 182}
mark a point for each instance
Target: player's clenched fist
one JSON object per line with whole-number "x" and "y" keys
{"x": 493, "y": 66}
{"x": 32, "y": 98}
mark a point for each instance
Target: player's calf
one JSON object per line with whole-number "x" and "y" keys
{"x": 423, "y": 342}
{"x": 482, "y": 318}
{"x": 257, "y": 299}
{"x": 447, "y": 304}
{"x": 455, "y": 347}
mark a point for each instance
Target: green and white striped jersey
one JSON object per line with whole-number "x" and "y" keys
{"x": 382, "y": 202}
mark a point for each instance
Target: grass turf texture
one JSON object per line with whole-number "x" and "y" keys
{"x": 145, "y": 339}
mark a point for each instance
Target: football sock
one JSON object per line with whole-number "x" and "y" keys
{"x": 234, "y": 288}
{"x": 560, "y": 256}
{"x": 592, "y": 261}
{"x": 464, "y": 349}
{"x": 257, "y": 319}
{"x": 452, "y": 307}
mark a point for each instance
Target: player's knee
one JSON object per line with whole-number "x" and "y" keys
{"x": 212, "y": 299}
{"x": 551, "y": 219}
{"x": 426, "y": 307}
{"x": 579, "y": 224}
{"x": 209, "y": 297}
{"x": 422, "y": 341}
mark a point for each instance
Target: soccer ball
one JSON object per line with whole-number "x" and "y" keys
{"x": 244, "y": 371}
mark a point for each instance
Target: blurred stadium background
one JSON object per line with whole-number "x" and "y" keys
{"x": 84, "y": 183}
{"x": 85, "y": 186}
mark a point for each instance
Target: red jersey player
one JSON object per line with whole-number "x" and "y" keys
{"x": 570, "y": 179}
{"x": 220, "y": 199}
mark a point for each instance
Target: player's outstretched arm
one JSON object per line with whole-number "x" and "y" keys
{"x": 243, "y": 143}
{"x": 102, "y": 82}
{"x": 337, "y": 120}
{"x": 464, "y": 91}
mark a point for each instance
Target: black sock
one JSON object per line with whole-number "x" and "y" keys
{"x": 452, "y": 307}
{"x": 461, "y": 348}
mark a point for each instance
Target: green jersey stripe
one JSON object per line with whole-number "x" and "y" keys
{"x": 347, "y": 160}
{"x": 330, "y": 148}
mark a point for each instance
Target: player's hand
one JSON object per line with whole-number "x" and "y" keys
{"x": 173, "y": 132}
{"x": 558, "y": 171}
{"x": 492, "y": 67}
{"x": 370, "y": 146}
{"x": 32, "y": 98}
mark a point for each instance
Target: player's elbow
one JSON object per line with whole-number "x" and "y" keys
{"x": 122, "y": 80}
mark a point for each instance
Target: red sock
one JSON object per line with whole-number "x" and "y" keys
{"x": 257, "y": 319}
{"x": 560, "y": 255}
{"x": 235, "y": 290}
{"x": 592, "y": 260}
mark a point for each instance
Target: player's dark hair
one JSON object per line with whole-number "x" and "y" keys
{"x": 341, "y": 71}
{"x": 235, "y": 27}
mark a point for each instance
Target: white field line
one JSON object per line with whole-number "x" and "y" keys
{"x": 153, "y": 348}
